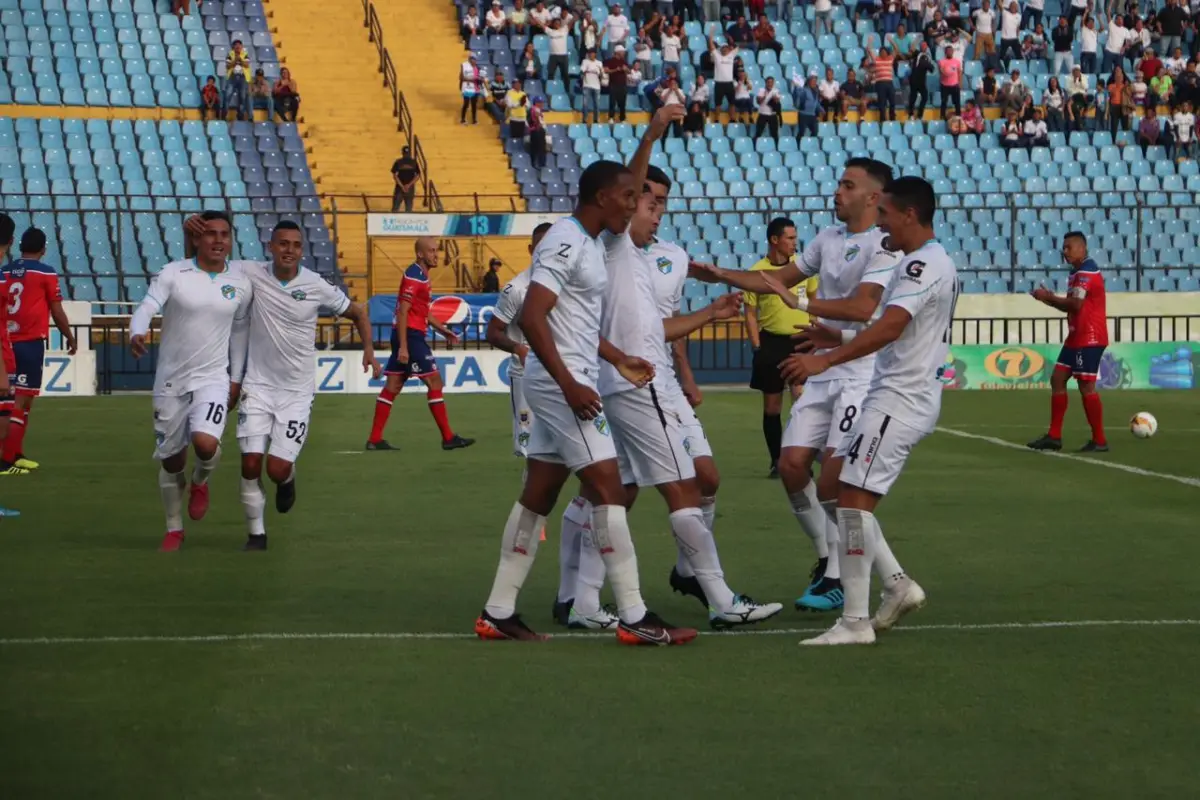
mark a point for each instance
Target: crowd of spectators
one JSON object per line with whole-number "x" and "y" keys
{"x": 240, "y": 93}
{"x": 1147, "y": 59}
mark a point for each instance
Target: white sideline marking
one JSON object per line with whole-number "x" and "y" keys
{"x": 219, "y": 638}
{"x": 992, "y": 426}
{"x": 1186, "y": 481}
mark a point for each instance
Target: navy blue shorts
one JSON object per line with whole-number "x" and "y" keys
{"x": 29, "y": 356}
{"x": 1082, "y": 362}
{"x": 420, "y": 357}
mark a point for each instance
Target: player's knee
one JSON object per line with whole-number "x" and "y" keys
{"x": 251, "y": 466}
{"x": 795, "y": 465}
{"x": 175, "y": 463}
{"x": 205, "y": 446}
{"x": 394, "y": 384}
{"x": 278, "y": 470}
{"x": 856, "y": 497}
{"x": 1086, "y": 387}
{"x": 707, "y": 476}
{"x": 434, "y": 382}
{"x": 680, "y": 495}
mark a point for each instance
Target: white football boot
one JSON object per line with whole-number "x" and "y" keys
{"x": 905, "y": 596}
{"x": 744, "y": 611}
{"x": 599, "y": 621}
{"x": 845, "y": 632}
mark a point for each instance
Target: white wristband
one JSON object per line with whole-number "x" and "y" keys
{"x": 802, "y": 304}
{"x": 847, "y": 335}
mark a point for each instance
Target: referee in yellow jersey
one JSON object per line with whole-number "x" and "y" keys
{"x": 770, "y": 324}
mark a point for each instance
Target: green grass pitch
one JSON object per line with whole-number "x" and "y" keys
{"x": 968, "y": 700}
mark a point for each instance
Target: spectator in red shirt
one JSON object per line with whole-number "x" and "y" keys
{"x": 411, "y": 355}
{"x": 1087, "y": 336}
{"x": 210, "y": 99}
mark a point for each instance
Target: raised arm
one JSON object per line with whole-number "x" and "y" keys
{"x": 746, "y": 280}
{"x": 724, "y": 307}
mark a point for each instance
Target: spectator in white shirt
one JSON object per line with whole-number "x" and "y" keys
{"x": 1010, "y": 33}
{"x": 1088, "y": 43}
{"x": 1031, "y": 15}
{"x": 832, "y": 107}
{"x": 556, "y": 32}
{"x": 539, "y": 18}
{"x": 1037, "y": 133}
{"x": 743, "y": 99}
{"x": 587, "y": 33}
{"x": 723, "y": 78}
{"x": 669, "y": 94}
{"x": 497, "y": 22}
{"x": 1184, "y": 123}
{"x": 643, "y": 53}
{"x": 616, "y": 28}
{"x": 470, "y": 24}
{"x": 672, "y": 44}
{"x": 822, "y": 16}
{"x": 769, "y": 108}
{"x": 985, "y": 30}
{"x": 701, "y": 93}
{"x": 590, "y": 70}
{"x": 1078, "y": 98}
{"x": 1176, "y": 63}
{"x": 1114, "y": 48}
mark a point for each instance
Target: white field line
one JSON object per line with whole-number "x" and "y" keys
{"x": 223, "y": 638}
{"x": 1098, "y": 462}
{"x": 1034, "y": 428}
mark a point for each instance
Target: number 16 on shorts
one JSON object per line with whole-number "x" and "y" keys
{"x": 278, "y": 422}
{"x": 179, "y": 417}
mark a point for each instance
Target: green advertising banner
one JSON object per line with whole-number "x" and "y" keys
{"x": 1126, "y": 365}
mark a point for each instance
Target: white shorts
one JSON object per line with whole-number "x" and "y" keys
{"x": 522, "y": 417}
{"x": 278, "y": 417}
{"x": 824, "y": 414}
{"x": 179, "y": 417}
{"x": 649, "y": 437}
{"x": 875, "y": 451}
{"x": 694, "y": 441}
{"x": 557, "y": 436}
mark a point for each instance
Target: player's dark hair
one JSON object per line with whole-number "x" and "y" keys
{"x": 878, "y": 170}
{"x": 33, "y": 240}
{"x": 210, "y": 216}
{"x": 285, "y": 225}
{"x": 656, "y": 175}
{"x": 778, "y": 226}
{"x": 541, "y": 229}
{"x": 598, "y": 177}
{"x": 1075, "y": 235}
{"x": 915, "y": 193}
{"x": 8, "y": 229}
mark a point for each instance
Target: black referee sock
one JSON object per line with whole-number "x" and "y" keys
{"x": 773, "y": 433}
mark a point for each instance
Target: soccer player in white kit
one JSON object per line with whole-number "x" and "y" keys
{"x": 205, "y": 304}
{"x": 648, "y": 431}
{"x": 276, "y": 373}
{"x": 855, "y": 264}
{"x": 912, "y": 338}
{"x": 561, "y": 318}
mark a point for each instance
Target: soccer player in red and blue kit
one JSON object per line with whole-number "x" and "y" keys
{"x": 411, "y": 355}
{"x": 8, "y": 374}
{"x": 1087, "y": 336}
{"x": 33, "y": 297}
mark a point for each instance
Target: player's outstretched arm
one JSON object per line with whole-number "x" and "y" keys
{"x": 639, "y": 165}
{"x": 745, "y": 280}
{"x": 878, "y": 335}
{"x": 859, "y": 307}
{"x": 358, "y": 314}
{"x": 155, "y": 300}
{"x": 727, "y": 306}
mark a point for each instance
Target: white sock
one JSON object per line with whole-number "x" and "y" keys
{"x": 857, "y": 532}
{"x": 811, "y": 516}
{"x": 886, "y": 566}
{"x": 591, "y": 575}
{"x": 576, "y": 516}
{"x": 517, "y": 551}
{"x": 203, "y": 469}
{"x": 170, "y": 487}
{"x": 692, "y": 537}
{"x": 833, "y": 567}
{"x": 708, "y": 507}
{"x": 610, "y": 528}
{"x": 253, "y": 502}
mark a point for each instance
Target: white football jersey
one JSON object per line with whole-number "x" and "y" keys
{"x": 508, "y": 311}
{"x": 631, "y": 321}
{"x": 570, "y": 263}
{"x": 843, "y": 261}
{"x": 908, "y": 372}
{"x": 198, "y": 310}
{"x": 283, "y": 327}
{"x": 668, "y": 269}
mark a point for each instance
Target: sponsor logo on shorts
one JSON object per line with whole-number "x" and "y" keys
{"x": 299, "y": 296}
{"x": 241, "y": 417}
{"x": 852, "y": 253}
{"x": 871, "y": 450}
{"x": 664, "y": 265}
{"x": 228, "y": 292}
{"x": 22, "y": 378}
{"x": 601, "y": 425}
{"x": 159, "y": 438}
{"x": 523, "y": 439}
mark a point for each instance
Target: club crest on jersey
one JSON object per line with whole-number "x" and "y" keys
{"x": 299, "y": 296}
{"x": 687, "y": 445}
{"x": 664, "y": 265}
{"x": 601, "y": 425}
{"x": 523, "y": 417}
{"x": 228, "y": 292}
{"x": 16, "y": 272}
{"x": 852, "y": 252}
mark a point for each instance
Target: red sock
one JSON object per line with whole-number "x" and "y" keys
{"x": 1095, "y": 416}
{"x": 1058, "y": 410}
{"x": 16, "y": 435}
{"x": 383, "y": 407}
{"x": 437, "y": 407}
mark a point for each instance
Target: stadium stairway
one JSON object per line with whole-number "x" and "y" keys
{"x": 464, "y": 160}
{"x": 346, "y": 114}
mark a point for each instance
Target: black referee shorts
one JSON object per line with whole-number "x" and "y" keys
{"x": 773, "y": 349}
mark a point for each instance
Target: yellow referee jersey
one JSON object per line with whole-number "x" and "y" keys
{"x": 774, "y": 315}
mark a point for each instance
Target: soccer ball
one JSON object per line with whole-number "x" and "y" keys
{"x": 1143, "y": 425}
